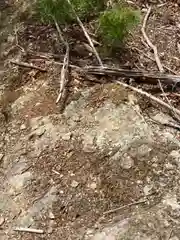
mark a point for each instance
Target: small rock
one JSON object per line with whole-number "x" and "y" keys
{"x": 147, "y": 189}
{"x": 39, "y": 132}
{"x": 171, "y": 200}
{"x": 88, "y": 143}
{"x": 139, "y": 182}
{"x": 166, "y": 223}
{"x": 2, "y": 220}
{"x": 74, "y": 184}
{"x": 127, "y": 162}
{"x": 144, "y": 150}
{"x": 23, "y": 127}
{"x": 178, "y": 25}
{"x": 51, "y": 216}
{"x": 67, "y": 136}
{"x": 169, "y": 166}
{"x": 144, "y": 10}
{"x": 93, "y": 185}
{"x": 50, "y": 230}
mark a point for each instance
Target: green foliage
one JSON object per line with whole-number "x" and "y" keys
{"x": 62, "y": 12}
{"x": 116, "y": 23}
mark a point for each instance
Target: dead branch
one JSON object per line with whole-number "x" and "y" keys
{"x": 64, "y": 75}
{"x": 153, "y": 59}
{"x": 124, "y": 206}
{"x": 28, "y": 65}
{"x": 65, "y": 67}
{"x": 30, "y": 230}
{"x": 155, "y": 99}
{"x": 86, "y": 34}
{"x": 146, "y": 77}
{"x": 43, "y": 55}
{"x": 154, "y": 48}
{"x": 151, "y": 45}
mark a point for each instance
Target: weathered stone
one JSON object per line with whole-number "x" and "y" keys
{"x": 126, "y": 161}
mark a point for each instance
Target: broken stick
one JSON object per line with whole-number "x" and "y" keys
{"x": 124, "y": 206}
{"x": 155, "y": 99}
{"x": 30, "y": 230}
{"x": 154, "y": 48}
{"x": 65, "y": 66}
{"x": 146, "y": 77}
{"x": 86, "y": 34}
{"x": 151, "y": 45}
{"x": 28, "y": 65}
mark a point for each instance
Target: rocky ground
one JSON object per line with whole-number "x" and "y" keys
{"x": 100, "y": 169}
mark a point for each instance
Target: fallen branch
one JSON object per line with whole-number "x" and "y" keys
{"x": 153, "y": 59}
{"x": 30, "y": 230}
{"x": 65, "y": 67}
{"x": 149, "y": 78}
{"x": 43, "y": 55}
{"x": 157, "y": 59}
{"x": 155, "y": 99}
{"x": 28, "y": 65}
{"x": 86, "y": 34}
{"x": 124, "y": 206}
{"x": 64, "y": 75}
{"x": 151, "y": 45}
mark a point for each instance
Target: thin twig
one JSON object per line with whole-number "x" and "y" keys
{"x": 56, "y": 172}
{"x": 170, "y": 234}
{"x": 59, "y": 32}
{"x": 168, "y": 124}
{"x": 154, "y": 48}
{"x": 152, "y": 59}
{"x": 28, "y": 65}
{"x": 122, "y": 207}
{"x": 64, "y": 75}
{"x": 30, "y": 230}
{"x": 155, "y": 99}
{"x": 86, "y": 34}
{"x": 43, "y": 55}
{"x": 65, "y": 67}
{"x": 70, "y": 65}
{"x": 17, "y": 42}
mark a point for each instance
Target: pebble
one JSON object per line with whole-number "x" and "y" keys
{"x": 127, "y": 162}
{"x": 74, "y": 184}
{"x": 23, "y": 127}
{"x": 93, "y": 185}
{"x": 39, "y": 132}
{"x": 67, "y": 136}
{"x": 50, "y": 230}
{"x": 147, "y": 189}
{"x": 169, "y": 166}
{"x": 51, "y": 216}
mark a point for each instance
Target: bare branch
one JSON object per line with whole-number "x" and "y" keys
{"x": 28, "y": 65}
{"x": 64, "y": 75}
{"x": 151, "y": 45}
{"x": 155, "y": 99}
{"x": 86, "y": 34}
{"x": 124, "y": 206}
{"x": 29, "y": 230}
{"x": 64, "y": 69}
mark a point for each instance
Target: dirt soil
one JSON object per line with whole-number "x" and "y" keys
{"x": 96, "y": 167}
